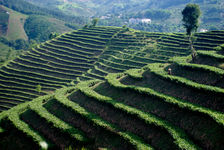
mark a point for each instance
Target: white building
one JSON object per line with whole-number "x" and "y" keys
{"x": 138, "y": 20}
{"x": 107, "y": 16}
{"x": 146, "y": 21}
{"x": 203, "y": 30}
{"x": 104, "y": 17}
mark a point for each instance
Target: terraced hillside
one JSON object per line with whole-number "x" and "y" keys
{"x": 90, "y": 53}
{"x": 140, "y": 109}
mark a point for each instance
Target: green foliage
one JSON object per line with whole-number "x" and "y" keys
{"x": 134, "y": 73}
{"x": 85, "y": 26}
{"x": 112, "y": 79}
{"x": 97, "y": 121}
{"x": 211, "y": 54}
{"x": 38, "y": 28}
{"x": 53, "y": 35}
{"x": 32, "y": 43}
{"x": 125, "y": 49}
{"x": 157, "y": 27}
{"x": 95, "y": 21}
{"x": 38, "y": 88}
{"x": 177, "y": 134}
{"x": 191, "y": 14}
{"x": 13, "y": 117}
{"x": 30, "y": 9}
{"x": 163, "y": 74}
{"x": 7, "y": 53}
{"x": 72, "y": 26}
{"x": 57, "y": 123}
{"x": 124, "y": 26}
{"x": 17, "y": 44}
{"x": 84, "y": 87}
{"x": 3, "y": 21}
{"x": 154, "y": 14}
{"x": 220, "y": 48}
{"x": 184, "y": 62}
{"x": 21, "y": 44}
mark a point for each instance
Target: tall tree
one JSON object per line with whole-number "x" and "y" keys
{"x": 191, "y": 14}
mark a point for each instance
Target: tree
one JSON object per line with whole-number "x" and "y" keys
{"x": 220, "y": 48}
{"x": 20, "y": 44}
{"x": 95, "y": 21}
{"x": 53, "y": 35}
{"x": 191, "y": 14}
{"x": 9, "y": 53}
{"x": 38, "y": 88}
{"x": 33, "y": 43}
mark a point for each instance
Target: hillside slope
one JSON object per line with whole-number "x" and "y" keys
{"x": 90, "y": 53}
{"x": 4, "y": 21}
{"x": 139, "y": 109}
{"x": 166, "y": 14}
{"x": 19, "y": 31}
{"x": 16, "y": 25}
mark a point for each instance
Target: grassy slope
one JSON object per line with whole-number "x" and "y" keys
{"x": 60, "y": 25}
{"x": 16, "y": 31}
{"x": 16, "y": 23}
{"x": 4, "y": 21}
{"x": 4, "y": 51}
{"x": 7, "y": 54}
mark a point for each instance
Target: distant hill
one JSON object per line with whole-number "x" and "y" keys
{"x": 19, "y": 25}
{"x": 118, "y": 13}
{"x": 18, "y": 30}
{"x": 28, "y": 8}
{"x": 54, "y": 16}
{"x": 165, "y": 15}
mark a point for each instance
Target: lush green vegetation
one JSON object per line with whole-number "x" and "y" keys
{"x": 28, "y": 8}
{"x": 17, "y": 44}
{"x": 15, "y": 29}
{"x": 39, "y": 28}
{"x": 7, "y": 53}
{"x": 4, "y": 21}
{"x": 165, "y": 15}
{"x": 191, "y": 14}
{"x": 90, "y": 53}
{"x": 130, "y": 96}
{"x": 14, "y": 36}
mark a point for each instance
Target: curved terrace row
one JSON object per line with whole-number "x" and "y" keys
{"x": 147, "y": 108}
{"x": 89, "y": 53}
